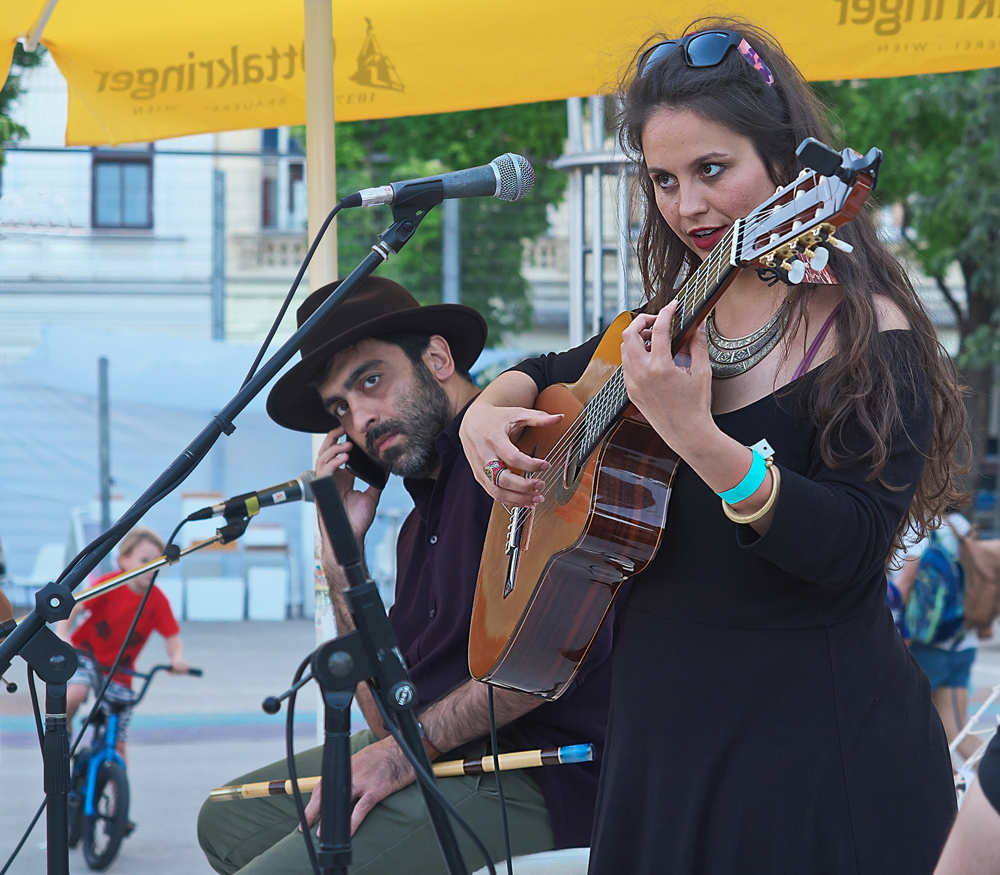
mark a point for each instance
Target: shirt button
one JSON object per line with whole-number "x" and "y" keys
{"x": 434, "y": 540}
{"x": 433, "y": 612}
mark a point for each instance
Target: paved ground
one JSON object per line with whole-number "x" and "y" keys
{"x": 192, "y": 734}
{"x": 188, "y": 736}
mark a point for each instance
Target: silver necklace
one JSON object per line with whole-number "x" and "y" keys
{"x": 733, "y": 356}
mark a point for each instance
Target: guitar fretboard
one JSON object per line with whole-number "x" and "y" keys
{"x": 608, "y": 404}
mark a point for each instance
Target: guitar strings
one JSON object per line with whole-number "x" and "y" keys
{"x": 690, "y": 295}
{"x": 614, "y": 386}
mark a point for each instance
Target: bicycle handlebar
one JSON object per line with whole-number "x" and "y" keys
{"x": 147, "y": 677}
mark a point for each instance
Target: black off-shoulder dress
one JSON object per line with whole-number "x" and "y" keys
{"x": 765, "y": 715}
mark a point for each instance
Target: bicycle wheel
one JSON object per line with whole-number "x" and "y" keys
{"x": 103, "y": 833}
{"x": 77, "y": 790}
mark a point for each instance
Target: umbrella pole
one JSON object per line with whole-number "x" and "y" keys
{"x": 321, "y": 182}
{"x": 321, "y": 144}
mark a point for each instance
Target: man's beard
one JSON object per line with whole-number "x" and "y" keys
{"x": 420, "y": 418}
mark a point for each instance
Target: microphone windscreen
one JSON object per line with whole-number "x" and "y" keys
{"x": 306, "y": 478}
{"x": 517, "y": 176}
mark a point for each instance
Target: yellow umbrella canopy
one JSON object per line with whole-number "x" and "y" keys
{"x": 146, "y": 71}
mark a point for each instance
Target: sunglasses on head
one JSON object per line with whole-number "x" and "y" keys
{"x": 705, "y": 49}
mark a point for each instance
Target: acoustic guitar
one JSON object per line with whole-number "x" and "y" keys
{"x": 549, "y": 574}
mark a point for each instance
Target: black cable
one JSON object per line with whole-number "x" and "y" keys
{"x": 130, "y": 519}
{"x": 496, "y": 773}
{"x": 36, "y": 708}
{"x": 291, "y": 293}
{"x": 121, "y": 651}
{"x": 133, "y": 515}
{"x": 300, "y": 807}
{"x": 429, "y": 785}
{"x": 100, "y": 694}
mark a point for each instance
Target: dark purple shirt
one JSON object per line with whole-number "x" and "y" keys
{"x": 438, "y": 553}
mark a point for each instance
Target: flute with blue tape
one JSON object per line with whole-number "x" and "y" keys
{"x": 522, "y": 759}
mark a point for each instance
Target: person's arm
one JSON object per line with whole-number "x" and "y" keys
{"x": 65, "y": 627}
{"x": 973, "y": 846}
{"x": 493, "y": 422}
{"x": 379, "y": 770}
{"x": 175, "y": 652}
{"x": 360, "y": 507}
{"x": 502, "y": 411}
{"x": 834, "y": 525}
{"x": 675, "y": 397}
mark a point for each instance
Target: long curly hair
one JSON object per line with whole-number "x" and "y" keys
{"x": 866, "y": 388}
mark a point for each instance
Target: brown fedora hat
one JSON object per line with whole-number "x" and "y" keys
{"x": 377, "y": 306}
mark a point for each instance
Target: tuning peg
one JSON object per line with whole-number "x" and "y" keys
{"x": 820, "y": 258}
{"x": 839, "y": 244}
{"x": 797, "y": 272}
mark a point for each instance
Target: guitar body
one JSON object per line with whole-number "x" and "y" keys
{"x": 539, "y": 607}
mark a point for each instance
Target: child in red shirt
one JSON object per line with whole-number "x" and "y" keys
{"x": 98, "y": 638}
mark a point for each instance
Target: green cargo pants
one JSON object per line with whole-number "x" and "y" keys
{"x": 260, "y": 836}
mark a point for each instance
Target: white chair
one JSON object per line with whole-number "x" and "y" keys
{"x": 215, "y": 598}
{"x": 49, "y": 562}
{"x": 267, "y": 589}
{"x": 569, "y": 861}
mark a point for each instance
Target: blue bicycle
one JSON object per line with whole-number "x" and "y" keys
{"x": 99, "y": 794}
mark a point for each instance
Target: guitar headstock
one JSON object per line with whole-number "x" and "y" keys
{"x": 792, "y": 226}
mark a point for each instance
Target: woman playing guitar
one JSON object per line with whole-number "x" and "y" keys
{"x": 765, "y": 715}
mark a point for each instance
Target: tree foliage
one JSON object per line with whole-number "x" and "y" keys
{"x": 941, "y": 138}
{"x": 11, "y": 131}
{"x": 492, "y": 231}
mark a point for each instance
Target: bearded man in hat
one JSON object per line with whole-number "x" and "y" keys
{"x": 388, "y": 382}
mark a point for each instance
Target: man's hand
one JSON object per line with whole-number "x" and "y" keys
{"x": 377, "y": 771}
{"x": 360, "y": 506}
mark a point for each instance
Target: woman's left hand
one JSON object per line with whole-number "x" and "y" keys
{"x": 675, "y": 396}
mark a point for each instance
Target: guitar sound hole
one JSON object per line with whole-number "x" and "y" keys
{"x": 574, "y": 465}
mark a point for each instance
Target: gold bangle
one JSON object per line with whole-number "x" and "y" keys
{"x": 744, "y": 519}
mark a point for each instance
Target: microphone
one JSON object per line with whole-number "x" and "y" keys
{"x": 250, "y": 504}
{"x": 508, "y": 177}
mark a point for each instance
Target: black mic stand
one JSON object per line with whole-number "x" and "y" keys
{"x": 370, "y": 653}
{"x": 53, "y": 659}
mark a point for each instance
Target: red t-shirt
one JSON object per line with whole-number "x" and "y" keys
{"x": 102, "y": 633}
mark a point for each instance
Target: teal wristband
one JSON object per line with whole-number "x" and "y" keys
{"x": 749, "y": 484}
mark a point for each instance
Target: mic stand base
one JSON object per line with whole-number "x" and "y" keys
{"x": 338, "y": 666}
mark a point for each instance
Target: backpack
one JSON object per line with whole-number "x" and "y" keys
{"x": 980, "y": 561}
{"x": 936, "y": 606}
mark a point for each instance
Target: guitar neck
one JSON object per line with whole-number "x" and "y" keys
{"x": 694, "y": 302}
{"x": 704, "y": 287}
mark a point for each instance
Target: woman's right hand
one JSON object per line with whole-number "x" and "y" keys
{"x": 488, "y": 433}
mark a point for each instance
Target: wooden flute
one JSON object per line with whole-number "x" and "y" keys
{"x": 522, "y": 759}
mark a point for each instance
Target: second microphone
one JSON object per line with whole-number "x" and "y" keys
{"x": 250, "y": 503}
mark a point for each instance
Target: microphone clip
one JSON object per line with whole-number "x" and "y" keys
{"x": 234, "y": 528}
{"x": 407, "y": 213}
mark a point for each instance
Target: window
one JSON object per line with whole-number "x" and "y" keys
{"x": 123, "y": 190}
{"x": 296, "y": 176}
{"x": 269, "y": 194}
{"x": 269, "y": 140}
